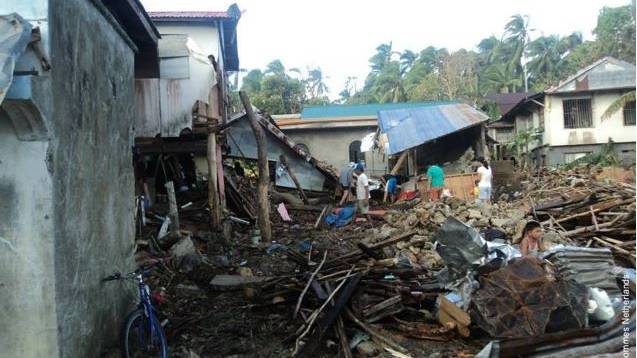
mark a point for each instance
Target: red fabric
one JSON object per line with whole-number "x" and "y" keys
{"x": 407, "y": 195}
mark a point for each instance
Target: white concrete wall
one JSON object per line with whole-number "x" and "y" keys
{"x": 556, "y": 135}
{"x": 205, "y": 35}
{"x": 28, "y": 317}
{"x": 332, "y": 146}
{"x": 164, "y": 106}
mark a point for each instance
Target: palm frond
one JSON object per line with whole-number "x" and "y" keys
{"x": 618, "y": 104}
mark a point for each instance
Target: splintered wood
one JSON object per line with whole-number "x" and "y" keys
{"x": 581, "y": 207}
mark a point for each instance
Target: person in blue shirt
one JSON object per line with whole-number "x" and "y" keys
{"x": 391, "y": 188}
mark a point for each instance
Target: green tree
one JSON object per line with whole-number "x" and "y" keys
{"x": 273, "y": 90}
{"x": 517, "y": 32}
{"x": 407, "y": 60}
{"x": 382, "y": 57}
{"x": 501, "y": 78}
{"x": 615, "y": 32}
{"x": 315, "y": 84}
{"x": 251, "y": 83}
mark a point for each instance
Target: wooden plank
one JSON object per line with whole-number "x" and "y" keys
{"x": 381, "y": 306}
{"x": 450, "y": 313}
{"x": 285, "y": 164}
{"x": 320, "y": 218}
{"x": 330, "y": 316}
{"x": 263, "y": 183}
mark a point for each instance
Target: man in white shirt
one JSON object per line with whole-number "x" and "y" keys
{"x": 362, "y": 190}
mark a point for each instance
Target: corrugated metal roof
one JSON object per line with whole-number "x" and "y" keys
{"x": 186, "y": 15}
{"x": 360, "y": 110}
{"x": 506, "y": 101}
{"x": 607, "y": 73}
{"x": 410, "y": 127}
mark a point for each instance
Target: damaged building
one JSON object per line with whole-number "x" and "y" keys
{"x": 66, "y": 129}
{"x": 568, "y": 120}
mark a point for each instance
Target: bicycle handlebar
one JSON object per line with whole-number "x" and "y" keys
{"x": 143, "y": 270}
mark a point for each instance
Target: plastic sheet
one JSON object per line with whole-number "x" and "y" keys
{"x": 15, "y": 34}
{"x": 461, "y": 247}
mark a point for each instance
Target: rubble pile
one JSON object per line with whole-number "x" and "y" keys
{"x": 447, "y": 272}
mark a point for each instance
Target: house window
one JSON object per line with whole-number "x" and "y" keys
{"x": 355, "y": 154}
{"x": 570, "y": 157}
{"x": 629, "y": 113}
{"x": 577, "y": 113}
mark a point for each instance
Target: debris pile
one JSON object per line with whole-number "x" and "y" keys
{"x": 447, "y": 272}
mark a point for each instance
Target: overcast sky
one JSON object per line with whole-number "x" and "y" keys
{"x": 340, "y": 36}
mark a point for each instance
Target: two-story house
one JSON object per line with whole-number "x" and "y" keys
{"x": 569, "y": 116}
{"x": 195, "y": 51}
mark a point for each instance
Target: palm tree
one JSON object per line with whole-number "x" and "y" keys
{"x": 501, "y": 77}
{"x": 432, "y": 58}
{"x": 407, "y": 60}
{"x": 315, "y": 82}
{"x": 619, "y": 104}
{"x": 275, "y": 67}
{"x": 517, "y": 32}
{"x": 544, "y": 55}
{"x": 389, "y": 86}
{"x": 547, "y": 56}
{"x": 382, "y": 57}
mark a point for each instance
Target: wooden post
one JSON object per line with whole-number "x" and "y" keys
{"x": 285, "y": 164}
{"x": 263, "y": 217}
{"x": 213, "y": 197}
{"x": 173, "y": 214}
{"x": 212, "y": 112}
{"x": 399, "y": 163}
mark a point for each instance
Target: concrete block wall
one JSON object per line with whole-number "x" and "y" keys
{"x": 92, "y": 174}
{"x": 66, "y": 214}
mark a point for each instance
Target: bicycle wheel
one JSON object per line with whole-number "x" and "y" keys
{"x": 139, "y": 340}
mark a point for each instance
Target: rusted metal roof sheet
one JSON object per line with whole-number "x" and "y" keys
{"x": 410, "y": 127}
{"x": 607, "y": 73}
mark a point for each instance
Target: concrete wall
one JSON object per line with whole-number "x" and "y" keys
{"x": 28, "y": 321}
{"x": 164, "y": 106}
{"x": 557, "y": 135}
{"x": 560, "y": 155}
{"x": 205, "y": 35}
{"x": 92, "y": 174}
{"x": 243, "y": 145}
{"x": 332, "y": 146}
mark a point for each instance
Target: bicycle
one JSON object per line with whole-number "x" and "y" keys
{"x": 142, "y": 334}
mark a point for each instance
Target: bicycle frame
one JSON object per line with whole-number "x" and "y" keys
{"x": 146, "y": 304}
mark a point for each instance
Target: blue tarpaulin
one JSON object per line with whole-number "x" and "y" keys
{"x": 410, "y": 127}
{"x": 342, "y": 218}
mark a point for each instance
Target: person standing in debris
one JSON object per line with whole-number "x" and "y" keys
{"x": 345, "y": 179}
{"x": 531, "y": 243}
{"x": 391, "y": 186}
{"x": 362, "y": 190}
{"x": 485, "y": 181}
{"x": 436, "y": 181}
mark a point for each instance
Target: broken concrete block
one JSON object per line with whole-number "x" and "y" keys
{"x": 183, "y": 247}
{"x": 367, "y": 349}
{"x": 474, "y": 214}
